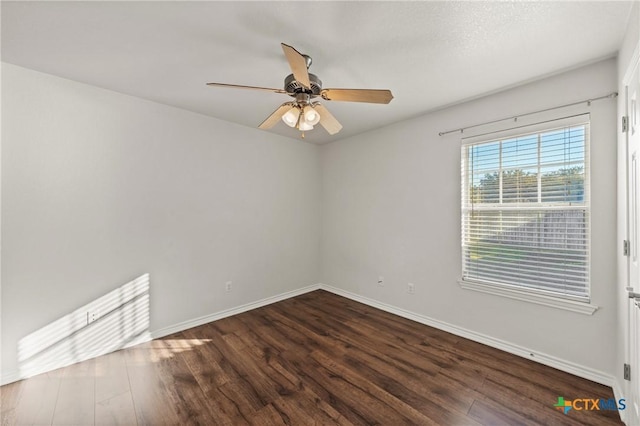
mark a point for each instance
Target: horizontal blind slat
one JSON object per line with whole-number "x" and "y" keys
{"x": 525, "y": 211}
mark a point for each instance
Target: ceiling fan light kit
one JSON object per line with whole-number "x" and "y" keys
{"x": 291, "y": 117}
{"x": 302, "y": 116}
{"x": 304, "y": 113}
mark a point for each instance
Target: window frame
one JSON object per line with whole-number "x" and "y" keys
{"x": 540, "y": 296}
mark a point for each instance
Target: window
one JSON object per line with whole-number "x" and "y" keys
{"x": 525, "y": 210}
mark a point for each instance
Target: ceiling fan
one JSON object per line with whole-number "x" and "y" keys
{"x": 304, "y": 112}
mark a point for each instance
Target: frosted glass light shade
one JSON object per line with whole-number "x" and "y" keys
{"x": 311, "y": 116}
{"x": 290, "y": 117}
{"x": 304, "y": 126}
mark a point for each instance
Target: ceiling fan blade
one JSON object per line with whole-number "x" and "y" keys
{"x": 237, "y": 86}
{"x": 275, "y": 116}
{"x": 374, "y": 96}
{"x": 298, "y": 64}
{"x": 328, "y": 121}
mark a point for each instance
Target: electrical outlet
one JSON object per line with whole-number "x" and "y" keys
{"x": 227, "y": 286}
{"x": 91, "y": 316}
{"x": 411, "y": 288}
{"x": 381, "y": 280}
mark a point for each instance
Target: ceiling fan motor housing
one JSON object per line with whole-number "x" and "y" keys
{"x": 292, "y": 86}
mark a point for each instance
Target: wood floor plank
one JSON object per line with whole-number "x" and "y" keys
{"x": 403, "y": 377}
{"x": 207, "y": 358}
{"x": 304, "y": 407}
{"x": 343, "y": 399}
{"x": 8, "y": 417}
{"x": 316, "y": 358}
{"x": 532, "y": 387}
{"x": 76, "y": 402}
{"x": 487, "y": 413}
{"x": 225, "y": 409}
{"x": 242, "y": 394}
{"x": 112, "y": 378}
{"x": 397, "y": 351}
{"x": 426, "y": 392}
{"x": 251, "y": 373}
{"x": 268, "y": 416}
{"x": 395, "y": 408}
{"x": 38, "y": 401}
{"x": 211, "y": 377}
{"x": 10, "y": 396}
{"x": 230, "y": 325}
{"x": 151, "y": 401}
{"x": 540, "y": 412}
{"x": 289, "y": 331}
{"x": 202, "y": 362}
{"x": 185, "y": 394}
{"x": 117, "y": 410}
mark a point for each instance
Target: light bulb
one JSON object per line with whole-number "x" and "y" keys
{"x": 311, "y": 116}
{"x": 304, "y": 126}
{"x": 290, "y": 117}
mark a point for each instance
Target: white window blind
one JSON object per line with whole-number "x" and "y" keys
{"x": 525, "y": 209}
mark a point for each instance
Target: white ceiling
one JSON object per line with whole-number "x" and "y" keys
{"x": 430, "y": 54}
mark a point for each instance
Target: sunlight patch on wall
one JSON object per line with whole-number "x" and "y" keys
{"x": 116, "y": 320}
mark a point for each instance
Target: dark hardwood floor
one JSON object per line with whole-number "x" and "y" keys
{"x": 314, "y": 359}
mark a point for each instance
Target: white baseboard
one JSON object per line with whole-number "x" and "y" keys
{"x": 549, "y": 360}
{"x": 560, "y": 364}
{"x": 185, "y": 325}
{"x": 14, "y": 376}
{"x": 618, "y": 394}
{"x": 10, "y": 377}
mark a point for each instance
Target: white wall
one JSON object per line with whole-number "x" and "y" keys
{"x": 625, "y": 57}
{"x": 99, "y": 188}
{"x": 391, "y": 207}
